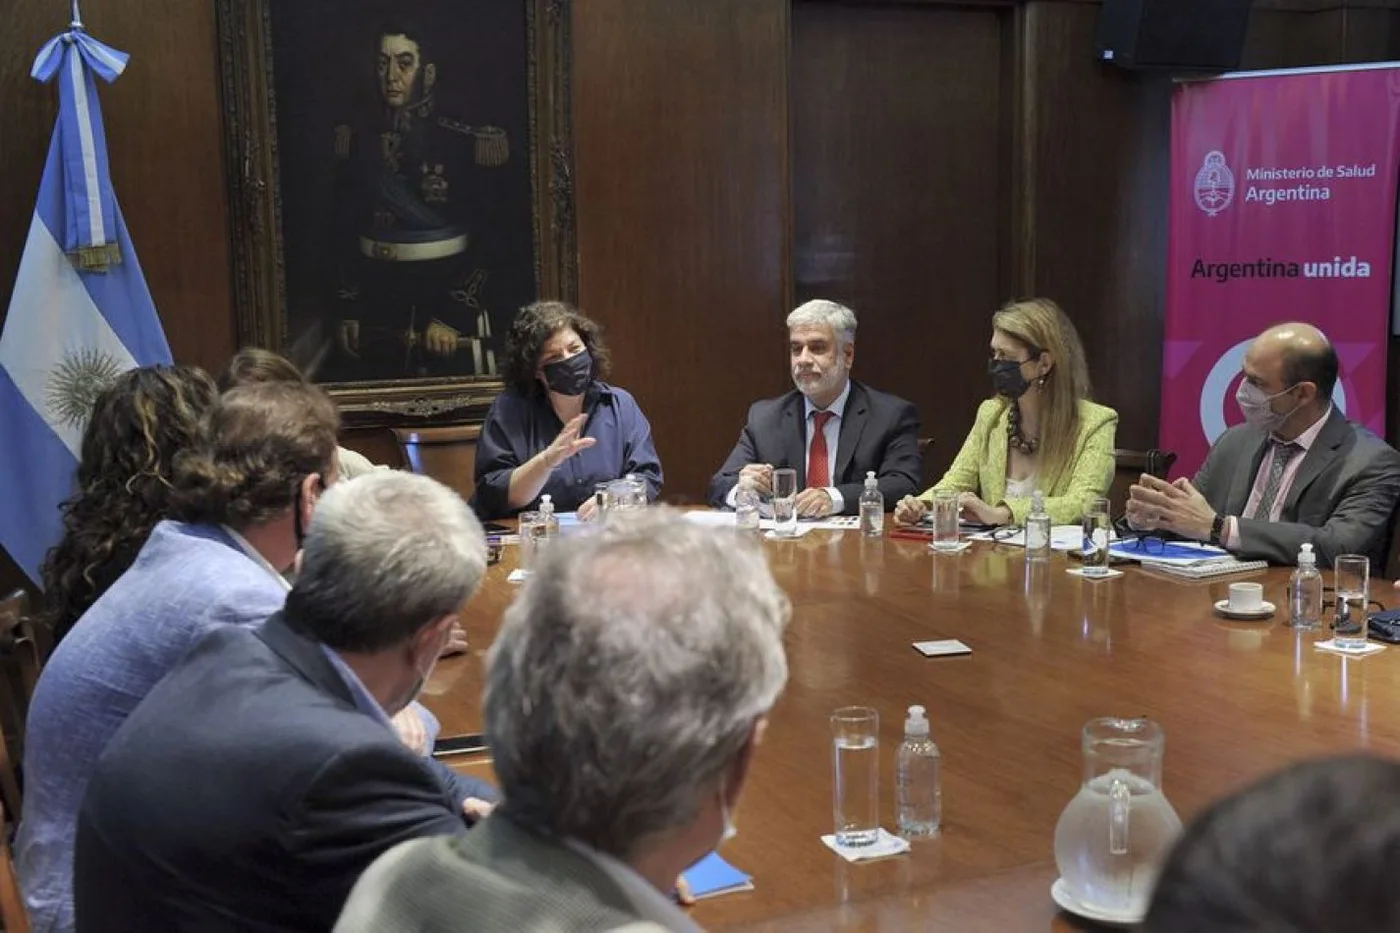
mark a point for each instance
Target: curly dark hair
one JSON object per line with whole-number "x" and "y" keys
{"x": 262, "y": 440}
{"x": 139, "y": 426}
{"x": 253, "y": 365}
{"x": 531, "y": 330}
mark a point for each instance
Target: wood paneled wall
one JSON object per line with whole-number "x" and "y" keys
{"x": 923, "y": 160}
{"x": 680, "y": 122}
{"x": 900, "y": 186}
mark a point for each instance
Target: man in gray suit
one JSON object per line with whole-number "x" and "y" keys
{"x": 626, "y": 692}
{"x": 1296, "y": 471}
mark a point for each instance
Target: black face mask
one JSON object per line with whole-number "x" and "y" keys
{"x": 570, "y": 376}
{"x": 1007, "y": 378}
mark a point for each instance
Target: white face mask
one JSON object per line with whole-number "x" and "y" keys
{"x": 423, "y": 676}
{"x": 1258, "y": 413}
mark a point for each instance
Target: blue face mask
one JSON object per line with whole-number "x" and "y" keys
{"x": 570, "y": 376}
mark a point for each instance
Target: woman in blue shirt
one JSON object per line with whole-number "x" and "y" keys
{"x": 558, "y": 428}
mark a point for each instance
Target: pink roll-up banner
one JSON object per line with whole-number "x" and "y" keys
{"x": 1283, "y": 208}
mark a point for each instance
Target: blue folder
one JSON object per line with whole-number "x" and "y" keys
{"x": 712, "y": 876}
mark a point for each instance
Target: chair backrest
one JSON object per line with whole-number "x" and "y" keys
{"x": 1128, "y": 465}
{"x": 24, "y": 646}
{"x": 447, "y": 454}
{"x": 12, "y": 912}
{"x": 1392, "y": 556}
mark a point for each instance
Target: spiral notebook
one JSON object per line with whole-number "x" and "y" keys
{"x": 1206, "y": 569}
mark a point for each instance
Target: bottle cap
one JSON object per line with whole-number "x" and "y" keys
{"x": 870, "y": 479}
{"x": 546, "y": 503}
{"x": 1306, "y": 557}
{"x": 916, "y": 724}
{"x": 1037, "y": 501}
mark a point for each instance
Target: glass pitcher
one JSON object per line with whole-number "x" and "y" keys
{"x": 1111, "y": 839}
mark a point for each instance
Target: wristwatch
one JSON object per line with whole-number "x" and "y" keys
{"x": 1217, "y": 528}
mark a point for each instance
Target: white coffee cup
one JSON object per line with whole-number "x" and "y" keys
{"x": 1246, "y": 597}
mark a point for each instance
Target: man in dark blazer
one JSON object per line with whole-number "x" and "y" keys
{"x": 1296, "y": 471}
{"x": 257, "y": 781}
{"x": 613, "y": 785}
{"x": 831, "y": 429}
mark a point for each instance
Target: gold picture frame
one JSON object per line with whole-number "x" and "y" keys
{"x": 259, "y": 233}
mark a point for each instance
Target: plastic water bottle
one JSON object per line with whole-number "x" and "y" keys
{"x": 1038, "y": 529}
{"x": 918, "y": 784}
{"x": 872, "y": 508}
{"x": 1305, "y": 592}
{"x": 746, "y": 505}
{"x": 548, "y": 520}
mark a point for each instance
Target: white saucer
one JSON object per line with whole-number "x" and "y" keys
{"x": 1265, "y": 610}
{"x": 1059, "y": 892}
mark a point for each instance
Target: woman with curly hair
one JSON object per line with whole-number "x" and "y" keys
{"x": 139, "y": 424}
{"x": 558, "y": 428}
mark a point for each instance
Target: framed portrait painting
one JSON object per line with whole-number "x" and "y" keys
{"x": 400, "y": 178}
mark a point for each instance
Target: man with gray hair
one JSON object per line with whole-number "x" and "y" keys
{"x": 831, "y": 429}
{"x": 253, "y": 785}
{"x": 626, "y": 692}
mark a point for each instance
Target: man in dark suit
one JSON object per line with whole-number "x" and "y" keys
{"x": 256, "y": 782}
{"x": 1296, "y": 471}
{"x": 613, "y": 784}
{"x": 831, "y": 429}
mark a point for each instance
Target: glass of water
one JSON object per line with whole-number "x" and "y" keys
{"x": 855, "y": 734}
{"x": 532, "y": 529}
{"x": 945, "y": 520}
{"x": 1097, "y": 532}
{"x": 785, "y": 501}
{"x": 1353, "y": 583}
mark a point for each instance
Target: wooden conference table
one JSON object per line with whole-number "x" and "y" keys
{"x": 1049, "y": 652}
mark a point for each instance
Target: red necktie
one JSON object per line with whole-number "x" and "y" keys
{"x": 818, "y": 473}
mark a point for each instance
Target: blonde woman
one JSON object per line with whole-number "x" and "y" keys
{"x": 1039, "y": 431}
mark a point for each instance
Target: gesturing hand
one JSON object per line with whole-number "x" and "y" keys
{"x": 567, "y": 442}
{"x": 1177, "y": 506}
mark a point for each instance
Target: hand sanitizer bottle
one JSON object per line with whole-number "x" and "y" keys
{"x": 1305, "y": 592}
{"x": 549, "y": 520}
{"x": 746, "y": 506}
{"x": 917, "y": 779}
{"x": 1038, "y": 529}
{"x": 872, "y": 508}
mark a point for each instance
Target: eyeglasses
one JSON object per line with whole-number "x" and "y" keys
{"x": 1149, "y": 544}
{"x": 1004, "y": 533}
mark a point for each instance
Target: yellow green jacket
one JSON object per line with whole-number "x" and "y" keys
{"x": 980, "y": 466}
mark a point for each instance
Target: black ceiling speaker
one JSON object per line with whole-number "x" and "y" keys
{"x": 1173, "y": 35}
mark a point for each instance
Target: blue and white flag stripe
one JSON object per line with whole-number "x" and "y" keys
{"x": 71, "y": 327}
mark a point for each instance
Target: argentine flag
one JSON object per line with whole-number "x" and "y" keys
{"x": 80, "y": 314}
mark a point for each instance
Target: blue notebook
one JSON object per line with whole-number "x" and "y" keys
{"x": 713, "y": 876}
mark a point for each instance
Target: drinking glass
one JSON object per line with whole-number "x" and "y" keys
{"x": 785, "y": 501}
{"x": 1097, "y": 532}
{"x": 1353, "y": 584}
{"x": 945, "y": 520}
{"x": 532, "y": 529}
{"x": 855, "y": 734}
